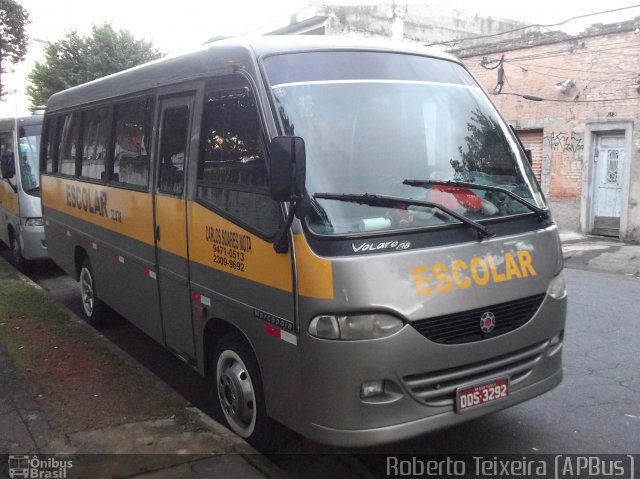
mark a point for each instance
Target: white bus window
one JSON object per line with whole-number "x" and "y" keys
{"x": 232, "y": 174}
{"x": 95, "y": 141}
{"x": 132, "y": 142}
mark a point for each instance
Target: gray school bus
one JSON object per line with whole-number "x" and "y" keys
{"x": 345, "y": 236}
{"x": 21, "y": 226}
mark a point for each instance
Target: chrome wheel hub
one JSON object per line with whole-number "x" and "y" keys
{"x": 86, "y": 291}
{"x": 235, "y": 393}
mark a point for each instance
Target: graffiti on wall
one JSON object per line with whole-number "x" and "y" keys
{"x": 562, "y": 141}
{"x": 564, "y": 158}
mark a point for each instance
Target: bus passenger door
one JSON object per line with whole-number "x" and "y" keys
{"x": 172, "y": 154}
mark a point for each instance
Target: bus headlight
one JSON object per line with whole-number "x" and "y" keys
{"x": 33, "y": 222}
{"x": 557, "y": 287}
{"x": 357, "y": 326}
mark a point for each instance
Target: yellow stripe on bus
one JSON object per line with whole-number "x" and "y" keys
{"x": 315, "y": 275}
{"x": 171, "y": 218}
{"x": 214, "y": 242}
{"x": 8, "y": 198}
{"x": 217, "y": 243}
{"x": 127, "y": 212}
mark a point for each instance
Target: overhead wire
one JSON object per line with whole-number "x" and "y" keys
{"x": 479, "y": 37}
{"x": 529, "y": 67}
{"x": 533, "y": 71}
{"x": 537, "y": 98}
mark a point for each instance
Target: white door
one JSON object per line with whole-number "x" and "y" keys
{"x": 607, "y": 199}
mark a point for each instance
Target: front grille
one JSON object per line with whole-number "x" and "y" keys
{"x": 464, "y": 327}
{"x": 438, "y": 388}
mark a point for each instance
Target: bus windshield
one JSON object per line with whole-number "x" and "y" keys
{"x": 29, "y": 158}
{"x": 372, "y": 120}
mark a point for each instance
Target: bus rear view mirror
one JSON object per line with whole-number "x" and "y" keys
{"x": 288, "y": 168}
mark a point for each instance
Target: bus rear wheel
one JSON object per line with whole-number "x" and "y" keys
{"x": 239, "y": 393}
{"x": 92, "y": 306}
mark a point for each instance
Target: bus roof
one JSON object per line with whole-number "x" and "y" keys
{"x": 10, "y": 122}
{"x": 214, "y": 58}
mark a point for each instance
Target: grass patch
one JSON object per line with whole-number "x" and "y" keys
{"x": 82, "y": 383}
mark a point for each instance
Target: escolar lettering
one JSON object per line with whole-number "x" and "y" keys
{"x": 480, "y": 270}
{"x": 87, "y": 199}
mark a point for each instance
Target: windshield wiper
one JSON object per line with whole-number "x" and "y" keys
{"x": 542, "y": 214}
{"x": 395, "y": 202}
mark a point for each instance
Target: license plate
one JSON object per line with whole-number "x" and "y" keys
{"x": 479, "y": 394}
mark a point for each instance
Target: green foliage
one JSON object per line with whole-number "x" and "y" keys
{"x": 76, "y": 59}
{"x": 13, "y": 37}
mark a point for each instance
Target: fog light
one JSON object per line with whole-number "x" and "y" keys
{"x": 555, "y": 344}
{"x": 556, "y": 339}
{"x": 371, "y": 388}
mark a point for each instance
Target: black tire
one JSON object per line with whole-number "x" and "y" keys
{"x": 92, "y": 307}
{"x": 16, "y": 253}
{"x": 239, "y": 395}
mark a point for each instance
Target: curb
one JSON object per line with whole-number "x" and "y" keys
{"x": 241, "y": 447}
{"x": 236, "y": 443}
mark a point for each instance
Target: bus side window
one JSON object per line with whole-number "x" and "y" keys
{"x": 232, "y": 174}
{"x": 95, "y": 142}
{"x": 132, "y": 142}
{"x": 68, "y": 146}
{"x": 6, "y": 157}
{"x": 173, "y": 150}
{"x": 48, "y": 145}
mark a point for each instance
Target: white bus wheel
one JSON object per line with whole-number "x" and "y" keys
{"x": 239, "y": 393}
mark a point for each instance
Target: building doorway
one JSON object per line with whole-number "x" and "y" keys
{"x": 608, "y": 170}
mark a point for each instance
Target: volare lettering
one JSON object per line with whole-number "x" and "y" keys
{"x": 480, "y": 270}
{"x": 87, "y": 199}
{"x": 374, "y": 246}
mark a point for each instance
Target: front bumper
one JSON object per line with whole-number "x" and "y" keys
{"x": 334, "y": 413}
{"x": 32, "y": 242}
{"x": 397, "y": 432}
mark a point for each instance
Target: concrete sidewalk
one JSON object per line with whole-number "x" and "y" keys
{"x": 599, "y": 253}
{"x": 187, "y": 444}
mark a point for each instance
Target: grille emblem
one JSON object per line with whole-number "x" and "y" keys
{"x": 487, "y": 322}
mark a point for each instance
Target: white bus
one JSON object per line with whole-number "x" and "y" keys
{"x": 21, "y": 226}
{"x": 345, "y": 236}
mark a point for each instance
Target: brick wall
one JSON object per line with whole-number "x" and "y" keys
{"x": 532, "y": 140}
{"x": 604, "y": 62}
{"x": 605, "y": 66}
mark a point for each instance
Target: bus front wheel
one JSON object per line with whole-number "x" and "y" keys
{"x": 92, "y": 306}
{"x": 238, "y": 391}
{"x": 16, "y": 253}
